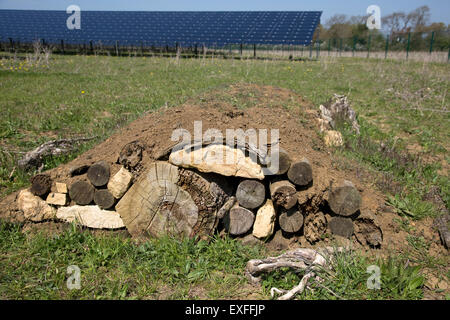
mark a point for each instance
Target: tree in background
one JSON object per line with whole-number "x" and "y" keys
{"x": 398, "y": 25}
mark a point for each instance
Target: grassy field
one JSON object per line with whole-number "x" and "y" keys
{"x": 402, "y": 108}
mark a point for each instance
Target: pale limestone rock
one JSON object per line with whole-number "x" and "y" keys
{"x": 324, "y": 125}
{"x": 265, "y": 221}
{"x": 61, "y": 188}
{"x": 220, "y": 159}
{"x": 333, "y": 138}
{"x": 120, "y": 183}
{"x": 57, "y": 199}
{"x": 91, "y": 217}
{"x": 34, "y": 208}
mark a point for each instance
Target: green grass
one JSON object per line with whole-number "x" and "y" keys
{"x": 349, "y": 278}
{"x": 401, "y": 105}
{"x": 113, "y": 267}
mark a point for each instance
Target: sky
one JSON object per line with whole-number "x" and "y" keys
{"x": 440, "y": 9}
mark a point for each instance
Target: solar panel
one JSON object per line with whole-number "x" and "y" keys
{"x": 162, "y": 27}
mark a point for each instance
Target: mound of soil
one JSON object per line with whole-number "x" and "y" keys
{"x": 244, "y": 106}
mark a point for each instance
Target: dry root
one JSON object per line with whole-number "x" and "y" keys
{"x": 308, "y": 260}
{"x": 34, "y": 159}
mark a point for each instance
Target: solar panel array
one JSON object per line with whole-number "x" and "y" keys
{"x": 163, "y": 27}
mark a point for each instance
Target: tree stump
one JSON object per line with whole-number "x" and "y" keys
{"x": 239, "y": 220}
{"x": 104, "y": 199}
{"x": 283, "y": 193}
{"x": 98, "y": 174}
{"x": 291, "y": 221}
{"x": 82, "y": 193}
{"x": 300, "y": 173}
{"x": 344, "y": 200}
{"x": 41, "y": 185}
{"x": 251, "y": 194}
{"x": 167, "y": 200}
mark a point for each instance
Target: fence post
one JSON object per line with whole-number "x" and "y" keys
{"x": 329, "y": 46}
{"x": 241, "y": 49}
{"x": 254, "y": 50}
{"x": 117, "y": 48}
{"x": 408, "y": 45}
{"x": 310, "y": 50}
{"x": 340, "y": 47}
{"x": 432, "y": 42}
{"x": 387, "y": 47}
{"x": 62, "y": 47}
{"x": 368, "y": 46}
{"x": 354, "y": 45}
{"x": 318, "y": 49}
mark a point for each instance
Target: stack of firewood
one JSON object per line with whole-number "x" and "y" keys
{"x": 181, "y": 197}
{"x": 189, "y": 198}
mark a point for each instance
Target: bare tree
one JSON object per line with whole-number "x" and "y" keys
{"x": 395, "y": 22}
{"x": 419, "y": 18}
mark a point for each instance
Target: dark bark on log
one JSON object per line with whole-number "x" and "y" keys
{"x": 78, "y": 171}
{"x": 104, "y": 199}
{"x": 368, "y": 231}
{"x": 300, "y": 173}
{"x": 251, "y": 194}
{"x": 99, "y": 174}
{"x": 82, "y": 193}
{"x": 442, "y": 224}
{"x": 41, "y": 185}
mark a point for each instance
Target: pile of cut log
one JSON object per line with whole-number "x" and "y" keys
{"x": 90, "y": 202}
{"x": 191, "y": 198}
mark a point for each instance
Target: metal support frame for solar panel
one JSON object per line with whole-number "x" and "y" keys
{"x": 163, "y": 28}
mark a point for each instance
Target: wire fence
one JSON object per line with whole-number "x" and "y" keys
{"x": 424, "y": 46}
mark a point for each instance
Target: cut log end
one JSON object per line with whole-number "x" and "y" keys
{"x": 98, "y": 174}
{"x": 342, "y": 227}
{"x": 291, "y": 221}
{"x": 41, "y": 185}
{"x": 239, "y": 221}
{"x": 104, "y": 199}
{"x": 284, "y": 162}
{"x": 251, "y": 194}
{"x": 171, "y": 201}
{"x": 345, "y": 199}
{"x": 283, "y": 194}
{"x": 300, "y": 173}
{"x": 82, "y": 192}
